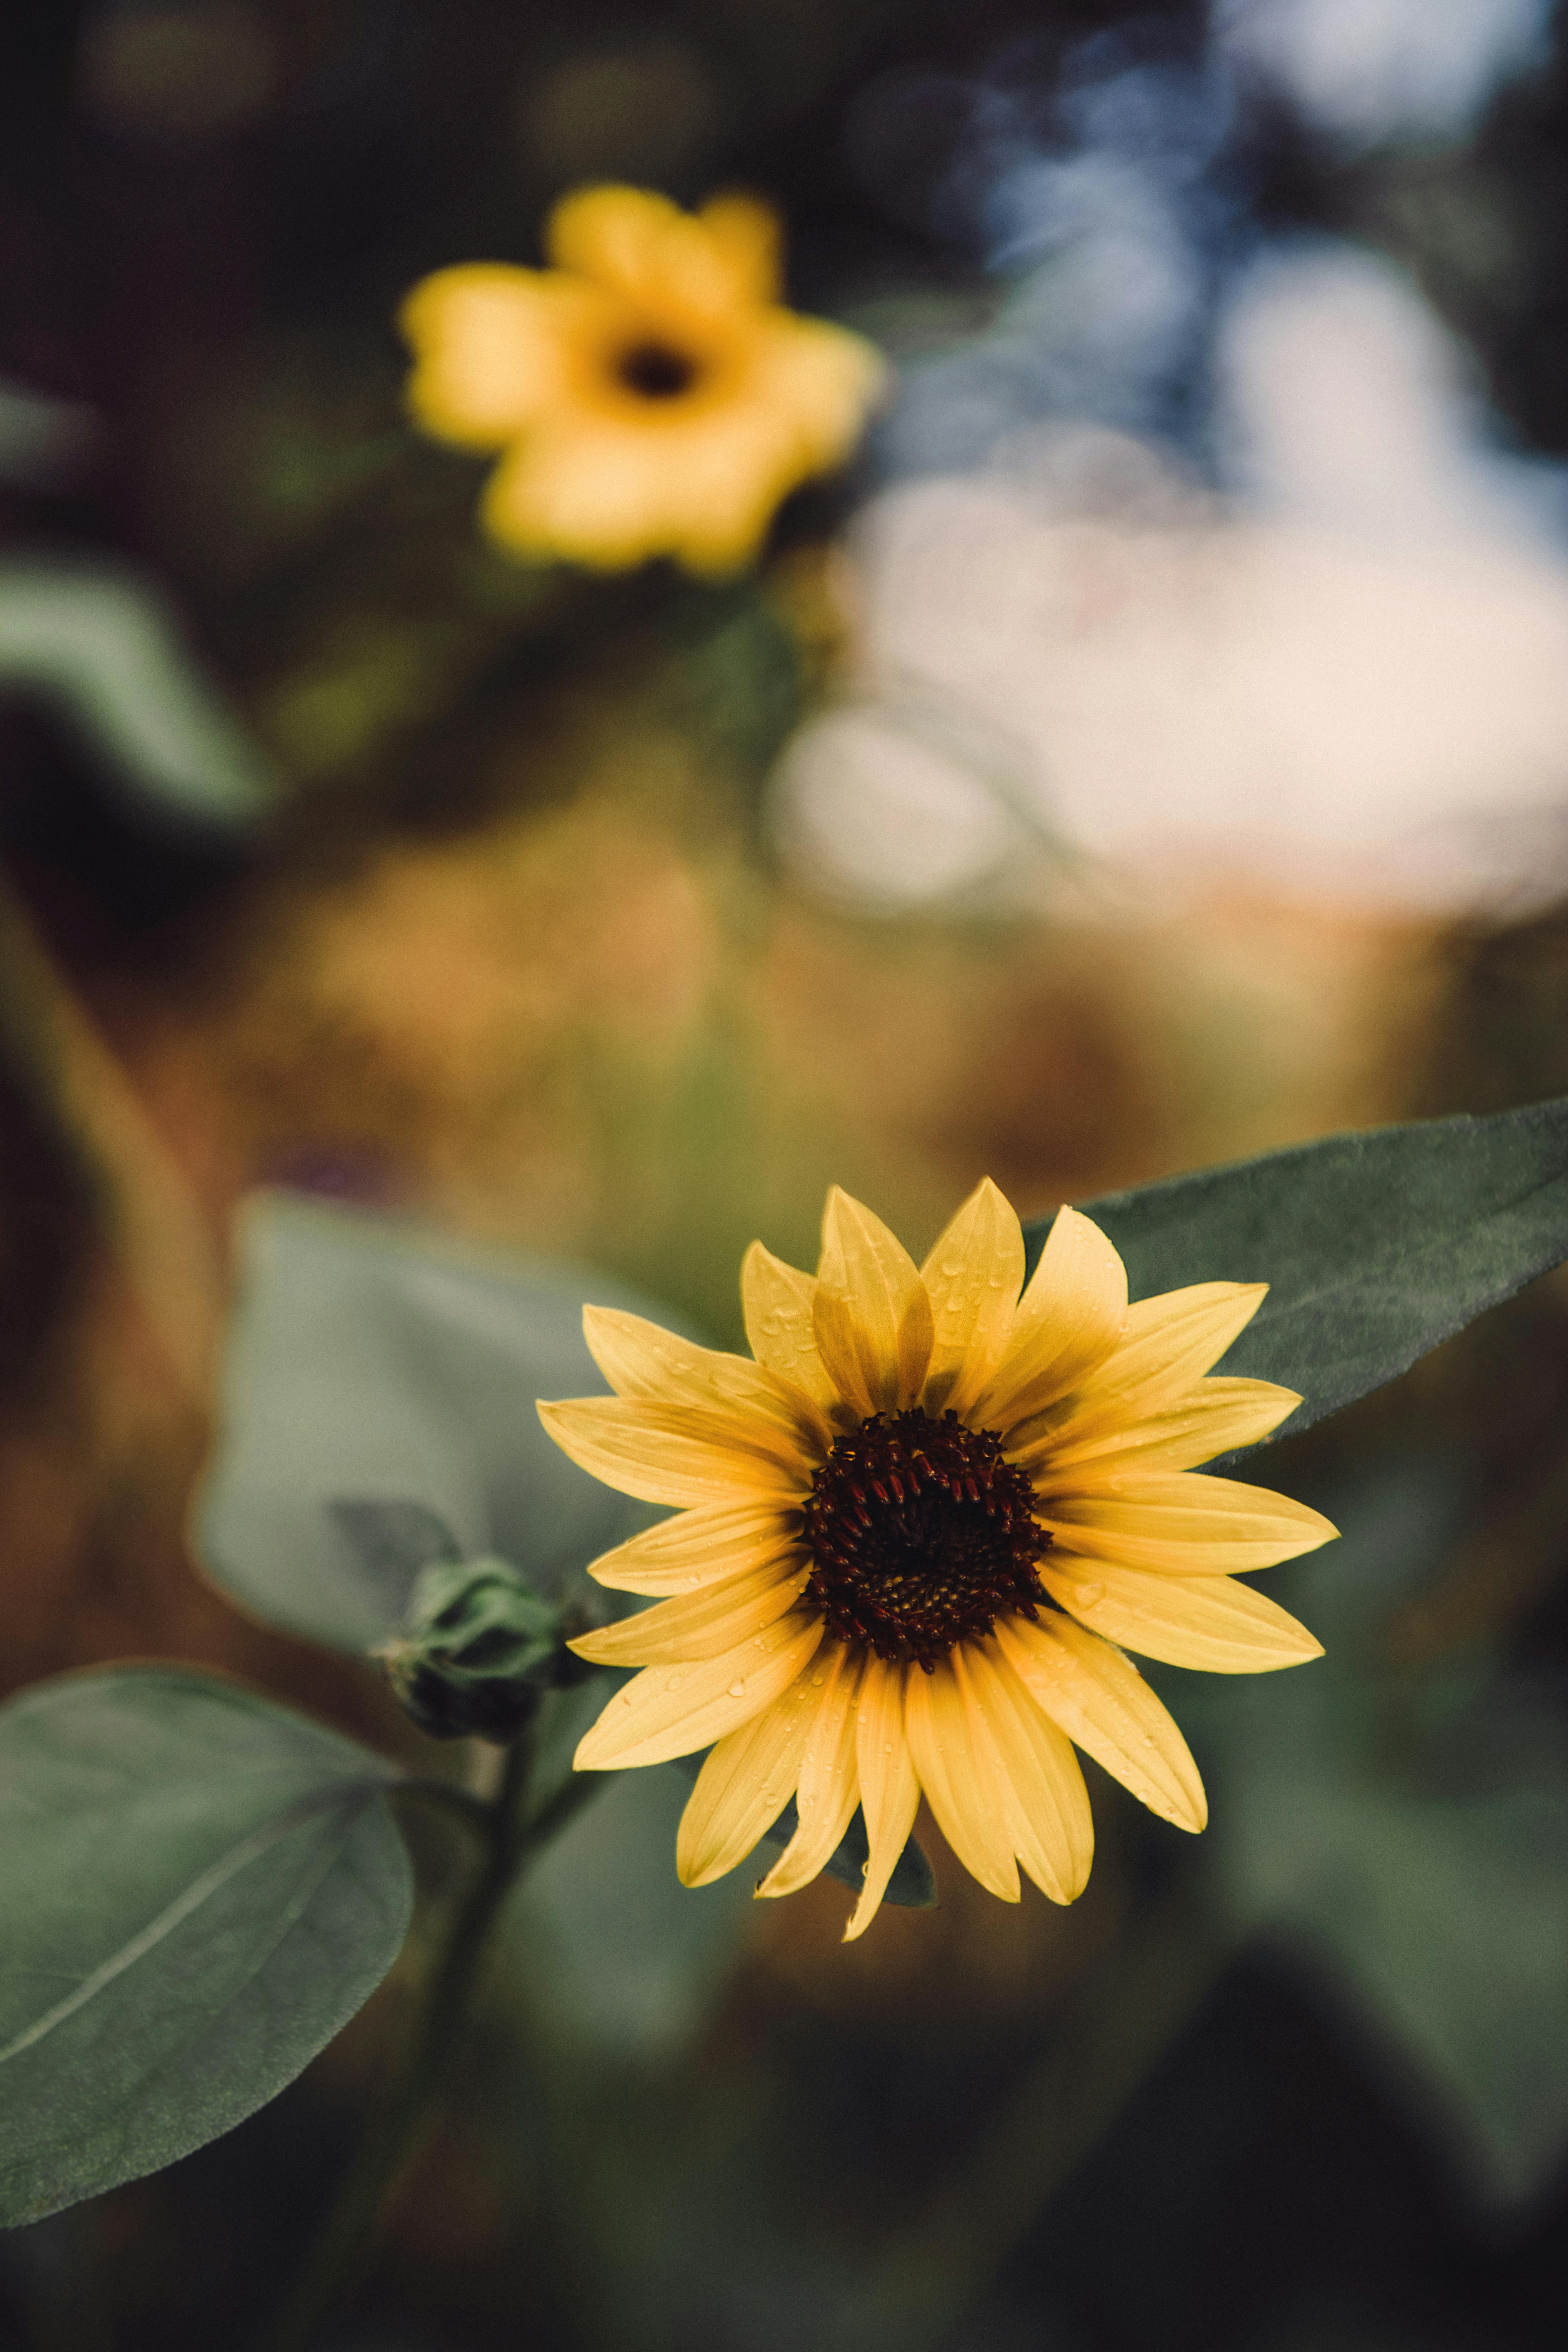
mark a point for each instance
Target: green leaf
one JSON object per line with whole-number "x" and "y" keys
{"x": 200, "y": 1889}
{"x": 371, "y": 1358}
{"x": 100, "y": 646}
{"x": 1375, "y": 1246}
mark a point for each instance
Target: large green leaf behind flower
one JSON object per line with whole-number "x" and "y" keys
{"x": 200, "y": 1889}
{"x": 372, "y": 1361}
{"x": 1375, "y": 1246}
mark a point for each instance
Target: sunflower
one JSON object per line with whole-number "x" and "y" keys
{"x": 650, "y": 394}
{"x": 915, "y": 1530}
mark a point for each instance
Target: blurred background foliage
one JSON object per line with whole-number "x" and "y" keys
{"x": 610, "y": 921}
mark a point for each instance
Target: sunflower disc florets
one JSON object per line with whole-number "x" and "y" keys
{"x": 923, "y": 1536}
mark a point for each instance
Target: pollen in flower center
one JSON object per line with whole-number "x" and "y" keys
{"x": 922, "y": 1535}
{"x": 655, "y": 371}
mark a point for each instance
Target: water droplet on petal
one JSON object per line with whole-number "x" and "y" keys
{"x": 1089, "y": 1590}
{"x": 738, "y": 1687}
{"x": 674, "y": 1682}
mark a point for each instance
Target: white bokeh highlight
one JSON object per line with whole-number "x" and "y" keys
{"x": 1373, "y": 71}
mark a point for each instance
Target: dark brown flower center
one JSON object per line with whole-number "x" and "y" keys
{"x": 655, "y": 371}
{"x": 920, "y": 1536}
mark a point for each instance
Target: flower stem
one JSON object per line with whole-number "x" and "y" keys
{"x": 392, "y": 2139}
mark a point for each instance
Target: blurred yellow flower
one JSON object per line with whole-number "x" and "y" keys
{"x": 914, "y": 1528}
{"x": 649, "y": 393}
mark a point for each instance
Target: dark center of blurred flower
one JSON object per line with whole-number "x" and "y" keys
{"x": 655, "y": 371}
{"x": 921, "y": 1537}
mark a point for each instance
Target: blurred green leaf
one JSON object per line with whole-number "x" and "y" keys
{"x": 1443, "y": 1910}
{"x": 1402, "y": 1831}
{"x": 102, "y": 647}
{"x": 371, "y": 1358}
{"x": 1375, "y": 1246}
{"x": 200, "y": 1890}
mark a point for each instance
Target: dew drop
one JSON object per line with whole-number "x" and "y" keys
{"x": 674, "y": 1682}
{"x": 1089, "y": 1592}
{"x": 737, "y": 1688}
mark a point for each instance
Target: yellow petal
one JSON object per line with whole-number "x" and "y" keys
{"x": 608, "y": 479}
{"x": 669, "y": 1454}
{"x": 493, "y": 350}
{"x": 828, "y": 1788}
{"x": 723, "y": 259}
{"x": 871, "y": 1316}
{"x": 915, "y": 1333}
{"x": 586, "y": 491}
{"x": 1182, "y": 1522}
{"x": 698, "y": 1546}
{"x": 743, "y": 1787}
{"x": 889, "y": 1789}
{"x": 1216, "y": 1417}
{"x": 618, "y": 236}
{"x": 726, "y": 485}
{"x": 822, "y": 379}
{"x": 744, "y": 235}
{"x": 667, "y": 1711}
{"x": 642, "y": 1359}
{"x": 956, "y": 1772}
{"x": 697, "y": 1624}
{"x": 841, "y": 1347}
{"x": 1208, "y": 1621}
{"x": 1102, "y": 1701}
{"x": 1169, "y": 1344}
{"x": 1041, "y": 1784}
{"x": 1065, "y": 1324}
{"x": 777, "y": 1304}
{"x": 973, "y": 1278}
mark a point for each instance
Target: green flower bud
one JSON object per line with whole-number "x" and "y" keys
{"x": 476, "y": 1651}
